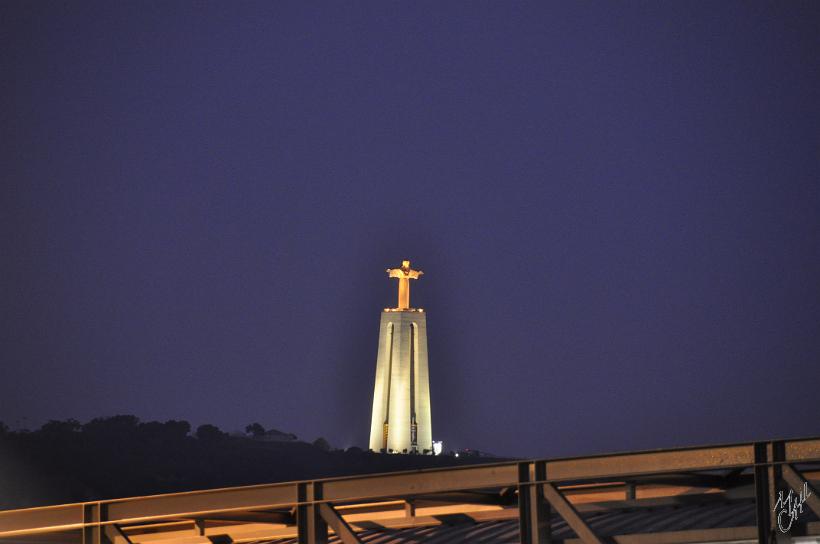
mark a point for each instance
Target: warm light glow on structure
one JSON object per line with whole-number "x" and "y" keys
{"x": 404, "y": 275}
{"x": 400, "y": 421}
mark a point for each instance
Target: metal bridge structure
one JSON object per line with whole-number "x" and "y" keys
{"x": 728, "y": 493}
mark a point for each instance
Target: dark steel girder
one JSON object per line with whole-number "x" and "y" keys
{"x": 252, "y": 517}
{"x": 766, "y": 460}
{"x": 570, "y": 515}
{"x": 338, "y": 524}
{"x": 796, "y": 481}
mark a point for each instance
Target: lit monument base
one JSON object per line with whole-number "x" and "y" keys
{"x": 401, "y": 398}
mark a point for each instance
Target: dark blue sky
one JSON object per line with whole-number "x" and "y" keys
{"x": 616, "y": 206}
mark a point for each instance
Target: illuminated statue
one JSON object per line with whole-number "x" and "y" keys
{"x": 401, "y": 397}
{"x": 404, "y": 274}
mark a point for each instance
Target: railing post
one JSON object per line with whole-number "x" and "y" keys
{"x": 93, "y": 514}
{"x": 312, "y": 527}
{"x": 533, "y": 510}
{"x": 767, "y": 476}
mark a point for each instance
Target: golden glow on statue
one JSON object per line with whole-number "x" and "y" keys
{"x": 400, "y": 422}
{"x": 404, "y": 275}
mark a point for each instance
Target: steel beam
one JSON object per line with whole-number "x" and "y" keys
{"x": 632, "y": 467}
{"x": 694, "y": 480}
{"x": 533, "y": 510}
{"x": 796, "y": 481}
{"x": 115, "y": 535}
{"x": 797, "y": 451}
{"x": 92, "y": 530}
{"x": 421, "y": 482}
{"x": 312, "y": 526}
{"x": 45, "y": 519}
{"x": 463, "y": 498}
{"x": 763, "y": 513}
{"x": 283, "y": 518}
{"x": 660, "y": 462}
{"x": 193, "y": 504}
{"x": 338, "y": 524}
{"x": 570, "y": 515}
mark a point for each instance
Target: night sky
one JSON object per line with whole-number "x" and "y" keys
{"x": 616, "y": 207}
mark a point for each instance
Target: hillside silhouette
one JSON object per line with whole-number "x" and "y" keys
{"x": 120, "y": 456}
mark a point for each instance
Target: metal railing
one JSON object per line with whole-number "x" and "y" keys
{"x": 540, "y": 489}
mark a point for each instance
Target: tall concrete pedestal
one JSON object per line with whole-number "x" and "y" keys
{"x": 401, "y": 397}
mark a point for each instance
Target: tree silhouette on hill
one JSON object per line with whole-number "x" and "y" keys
{"x": 120, "y": 456}
{"x": 255, "y": 429}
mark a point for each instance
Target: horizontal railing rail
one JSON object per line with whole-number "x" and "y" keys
{"x": 535, "y": 482}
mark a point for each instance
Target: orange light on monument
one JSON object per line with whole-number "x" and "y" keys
{"x": 404, "y": 275}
